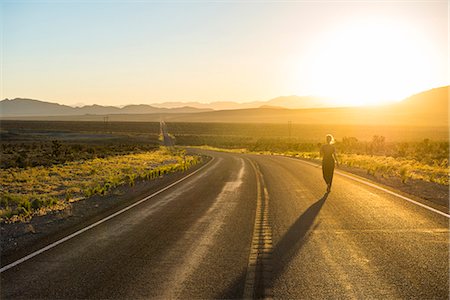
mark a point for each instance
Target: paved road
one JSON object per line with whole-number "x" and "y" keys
{"x": 167, "y": 140}
{"x": 198, "y": 239}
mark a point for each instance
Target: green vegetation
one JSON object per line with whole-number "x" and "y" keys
{"x": 404, "y": 152}
{"x": 36, "y": 190}
{"x": 239, "y": 135}
{"x": 386, "y": 166}
{"x": 47, "y": 153}
{"x": 230, "y": 133}
{"x": 425, "y": 160}
{"x": 47, "y": 164}
{"x": 42, "y": 127}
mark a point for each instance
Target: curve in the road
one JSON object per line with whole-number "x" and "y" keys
{"x": 363, "y": 181}
{"x": 356, "y": 242}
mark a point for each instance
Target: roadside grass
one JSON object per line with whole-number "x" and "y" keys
{"x": 37, "y": 190}
{"x": 46, "y": 153}
{"x": 206, "y": 147}
{"x": 386, "y": 166}
{"x": 376, "y": 165}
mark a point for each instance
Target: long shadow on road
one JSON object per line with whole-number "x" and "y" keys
{"x": 285, "y": 250}
{"x": 294, "y": 239}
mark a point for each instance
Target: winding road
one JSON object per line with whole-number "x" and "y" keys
{"x": 248, "y": 226}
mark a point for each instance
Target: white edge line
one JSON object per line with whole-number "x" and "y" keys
{"x": 378, "y": 187}
{"x": 54, "y": 244}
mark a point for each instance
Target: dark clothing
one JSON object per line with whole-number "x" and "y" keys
{"x": 327, "y": 152}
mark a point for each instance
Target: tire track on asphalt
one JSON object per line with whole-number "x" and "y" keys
{"x": 202, "y": 234}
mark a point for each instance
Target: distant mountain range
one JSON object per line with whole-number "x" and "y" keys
{"x": 429, "y": 108}
{"x": 292, "y": 102}
{"x": 20, "y": 107}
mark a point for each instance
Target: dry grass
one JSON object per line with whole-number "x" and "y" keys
{"x": 36, "y": 190}
{"x": 205, "y": 147}
{"x": 386, "y": 166}
{"x": 376, "y": 165}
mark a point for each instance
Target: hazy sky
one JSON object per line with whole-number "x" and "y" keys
{"x": 121, "y": 52}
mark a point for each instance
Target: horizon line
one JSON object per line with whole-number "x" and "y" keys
{"x": 386, "y": 101}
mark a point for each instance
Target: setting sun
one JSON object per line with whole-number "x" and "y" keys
{"x": 356, "y": 53}
{"x": 370, "y": 62}
{"x": 224, "y": 149}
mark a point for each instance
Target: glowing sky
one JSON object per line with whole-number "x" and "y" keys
{"x": 117, "y": 52}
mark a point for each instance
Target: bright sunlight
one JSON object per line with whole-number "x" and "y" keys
{"x": 371, "y": 62}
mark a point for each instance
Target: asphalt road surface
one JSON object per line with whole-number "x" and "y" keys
{"x": 250, "y": 226}
{"x": 167, "y": 140}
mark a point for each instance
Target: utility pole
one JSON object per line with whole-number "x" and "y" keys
{"x": 105, "y": 121}
{"x": 289, "y": 129}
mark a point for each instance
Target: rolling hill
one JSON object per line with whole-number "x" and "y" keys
{"x": 20, "y": 107}
{"x": 292, "y": 102}
{"x": 429, "y": 108}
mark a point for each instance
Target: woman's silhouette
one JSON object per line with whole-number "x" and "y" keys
{"x": 328, "y": 152}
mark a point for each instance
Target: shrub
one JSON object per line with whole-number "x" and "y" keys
{"x": 404, "y": 173}
{"x": 33, "y": 188}
{"x": 36, "y": 204}
{"x": 26, "y": 205}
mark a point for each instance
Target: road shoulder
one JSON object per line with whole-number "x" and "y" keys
{"x": 20, "y": 238}
{"x": 430, "y": 194}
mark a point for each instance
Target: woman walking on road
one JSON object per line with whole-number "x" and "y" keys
{"x": 328, "y": 152}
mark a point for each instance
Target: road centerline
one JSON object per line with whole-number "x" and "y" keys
{"x": 258, "y": 278}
